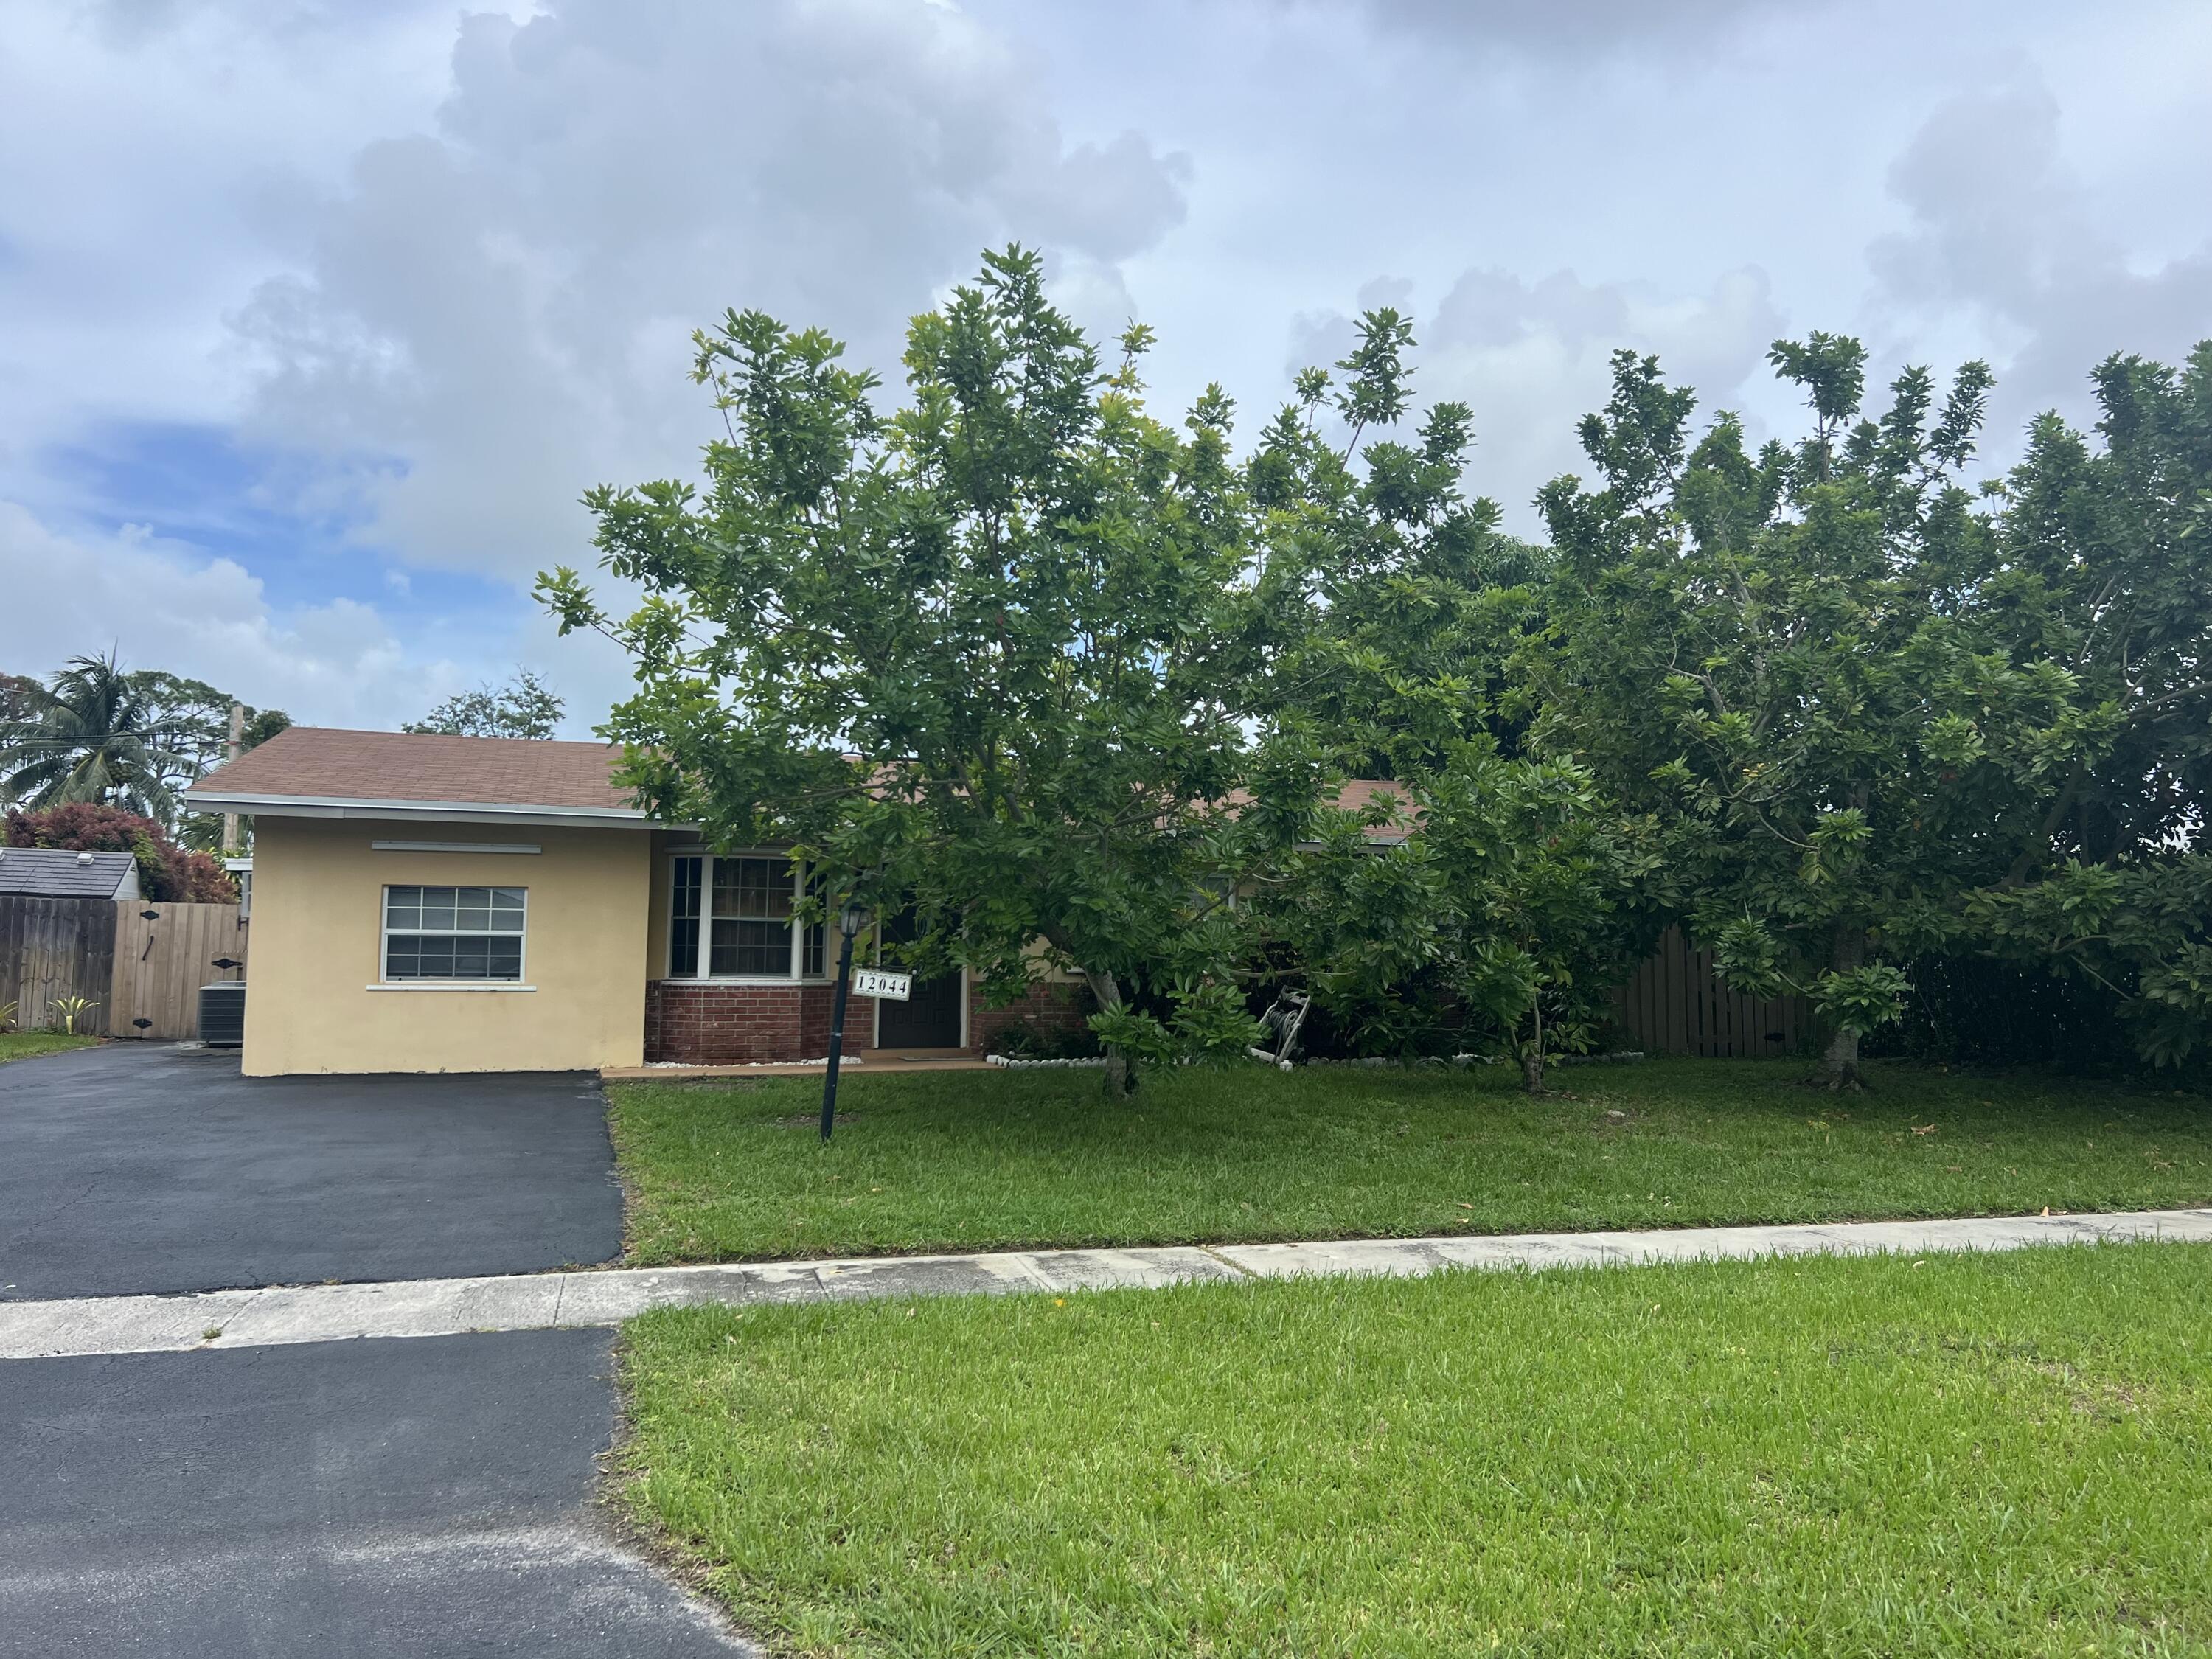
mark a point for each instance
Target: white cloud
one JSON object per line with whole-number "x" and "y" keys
{"x": 2005, "y": 237}
{"x": 495, "y": 316}
{"x": 1576, "y": 27}
{"x": 163, "y": 605}
{"x": 157, "y": 155}
{"x": 429, "y": 275}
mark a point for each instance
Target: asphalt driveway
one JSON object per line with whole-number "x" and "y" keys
{"x": 410, "y": 1497}
{"x": 141, "y": 1167}
{"x": 427, "y": 1496}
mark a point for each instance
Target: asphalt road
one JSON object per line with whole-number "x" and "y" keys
{"x": 140, "y": 1167}
{"x": 402, "y": 1496}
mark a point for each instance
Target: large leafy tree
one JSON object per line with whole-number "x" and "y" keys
{"x": 1492, "y": 911}
{"x": 198, "y": 717}
{"x": 95, "y": 733}
{"x": 1391, "y": 597}
{"x": 526, "y": 707}
{"x": 993, "y": 652}
{"x": 1791, "y": 660}
{"x": 2105, "y": 566}
{"x": 2104, "y": 563}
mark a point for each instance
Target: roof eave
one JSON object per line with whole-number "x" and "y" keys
{"x": 422, "y": 812}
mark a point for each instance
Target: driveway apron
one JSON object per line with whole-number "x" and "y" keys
{"x": 372, "y": 1497}
{"x": 136, "y": 1168}
{"x": 388, "y": 1498}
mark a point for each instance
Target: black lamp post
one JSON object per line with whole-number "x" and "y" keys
{"x": 851, "y": 921}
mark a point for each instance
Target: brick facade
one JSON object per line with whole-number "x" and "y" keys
{"x": 1045, "y": 1010}
{"x": 703, "y": 1023}
{"x": 710, "y": 1024}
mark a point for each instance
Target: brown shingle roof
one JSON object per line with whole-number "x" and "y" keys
{"x": 1357, "y": 795}
{"x": 310, "y": 762}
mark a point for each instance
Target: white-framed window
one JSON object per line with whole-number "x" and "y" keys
{"x": 465, "y": 933}
{"x": 733, "y": 917}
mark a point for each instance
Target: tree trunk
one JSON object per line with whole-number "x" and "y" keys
{"x": 1532, "y": 1057}
{"x": 1842, "y": 1059}
{"x": 1120, "y": 1076}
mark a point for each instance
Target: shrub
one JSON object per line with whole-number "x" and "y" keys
{"x": 167, "y": 873}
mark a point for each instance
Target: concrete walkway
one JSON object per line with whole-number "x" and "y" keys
{"x": 873, "y": 1062}
{"x": 445, "y": 1307}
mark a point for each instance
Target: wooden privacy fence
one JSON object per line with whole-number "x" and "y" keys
{"x": 1676, "y": 1005}
{"x": 51, "y": 948}
{"x": 141, "y": 963}
{"x": 163, "y": 954}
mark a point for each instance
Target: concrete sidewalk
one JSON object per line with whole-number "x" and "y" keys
{"x": 445, "y": 1307}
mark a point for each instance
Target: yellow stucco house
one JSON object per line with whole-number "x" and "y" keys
{"x": 433, "y": 904}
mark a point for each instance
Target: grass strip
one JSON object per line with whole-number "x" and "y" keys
{"x": 1965, "y": 1455}
{"x": 991, "y": 1161}
{"x": 22, "y": 1045}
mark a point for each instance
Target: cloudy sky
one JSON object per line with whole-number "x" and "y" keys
{"x": 316, "y": 316}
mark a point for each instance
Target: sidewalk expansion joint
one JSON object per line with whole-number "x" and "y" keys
{"x": 1229, "y": 1262}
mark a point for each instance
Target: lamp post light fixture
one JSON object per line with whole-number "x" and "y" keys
{"x": 852, "y": 921}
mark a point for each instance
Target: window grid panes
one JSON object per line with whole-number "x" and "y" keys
{"x": 683, "y": 922}
{"x": 816, "y": 935}
{"x": 453, "y": 932}
{"x": 732, "y": 917}
{"x": 751, "y": 922}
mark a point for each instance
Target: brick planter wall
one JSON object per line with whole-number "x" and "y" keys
{"x": 1045, "y": 1010}
{"x": 707, "y": 1025}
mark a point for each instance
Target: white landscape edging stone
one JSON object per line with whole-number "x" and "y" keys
{"x": 283, "y": 1315}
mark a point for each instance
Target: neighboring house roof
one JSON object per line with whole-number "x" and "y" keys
{"x": 325, "y": 772}
{"x": 1358, "y": 795}
{"x": 309, "y": 771}
{"x": 56, "y": 873}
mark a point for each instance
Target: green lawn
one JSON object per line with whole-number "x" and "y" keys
{"x": 1993, "y": 1455}
{"x": 984, "y": 1160}
{"x": 21, "y": 1045}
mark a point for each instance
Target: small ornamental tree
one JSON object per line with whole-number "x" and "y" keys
{"x": 993, "y": 653}
{"x": 1795, "y": 663}
{"x": 1543, "y": 872}
{"x": 167, "y": 873}
{"x": 1497, "y": 907}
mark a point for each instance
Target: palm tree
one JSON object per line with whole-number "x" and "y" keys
{"x": 89, "y": 734}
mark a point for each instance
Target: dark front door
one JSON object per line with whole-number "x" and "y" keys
{"x": 930, "y": 1019}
